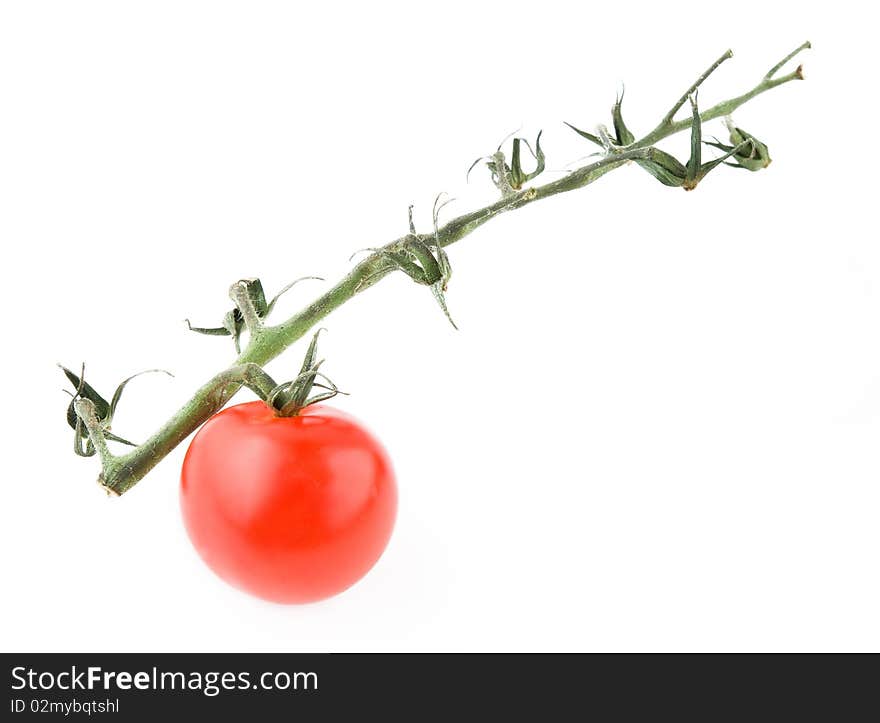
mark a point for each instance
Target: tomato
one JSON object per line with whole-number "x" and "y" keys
{"x": 290, "y": 509}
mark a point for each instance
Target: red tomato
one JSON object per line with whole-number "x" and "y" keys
{"x": 291, "y": 509}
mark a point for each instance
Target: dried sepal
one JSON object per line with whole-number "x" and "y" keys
{"x": 745, "y": 151}
{"x": 697, "y": 170}
{"x": 755, "y": 156}
{"x": 104, "y": 410}
{"x": 422, "y": 258}
{"x": 665, "y": 167}
{"x": 622, "y": 137}
{"x": 695, "y": 162}
{"x": 271, "y": 305}
{"x": 444, "y": 267}
{"x": 517, "y": 177}
{"x": 117, "y": 395}
{"x": 254, "y": 291}
{"x": 233, "y": 320}
{"x": 623, "y": 134}
{"x": 510, "y": 177}
{"x": 585, "y": 134}
{"x": 669, "y": 171}
{"x": 216, "y": 331}
{"x": 85, "y": 390}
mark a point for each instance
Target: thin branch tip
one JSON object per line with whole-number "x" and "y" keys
{"x": 668, "y": 118}
{"x": 799, "y": 72}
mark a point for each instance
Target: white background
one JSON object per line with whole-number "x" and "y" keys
{"x": 658, "y": 427}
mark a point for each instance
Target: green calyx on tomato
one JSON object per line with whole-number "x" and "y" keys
{"x": 288, "y": 399}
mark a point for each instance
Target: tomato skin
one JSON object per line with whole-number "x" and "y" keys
{"x": 290, "y": 509}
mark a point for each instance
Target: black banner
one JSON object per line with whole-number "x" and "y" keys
{"x": 413, "y": 686}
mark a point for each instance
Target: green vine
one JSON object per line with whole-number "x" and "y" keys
{"x": 423, "y": 258}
